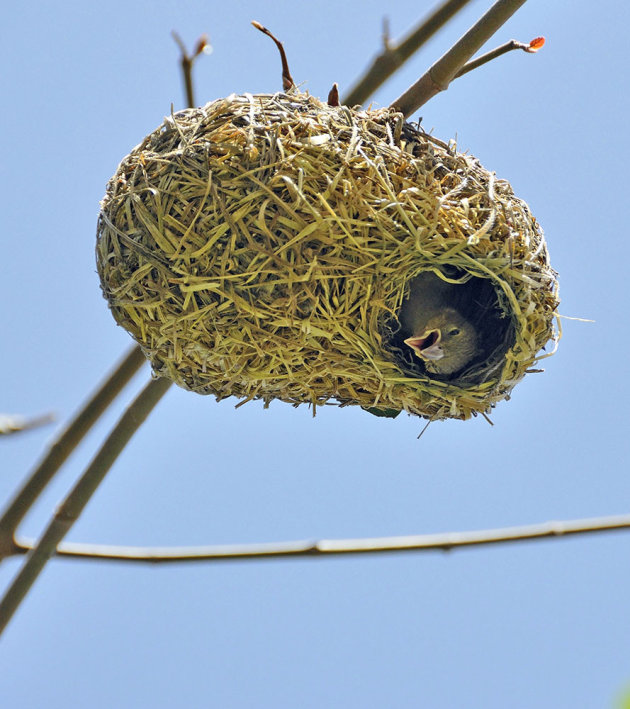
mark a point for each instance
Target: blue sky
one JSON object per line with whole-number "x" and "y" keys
{"x": 533, "y": 625}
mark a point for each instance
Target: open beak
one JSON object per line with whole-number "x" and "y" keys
{"x": 427, "y": 345}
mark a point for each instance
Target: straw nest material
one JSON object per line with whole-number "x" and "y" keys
{"x": 261, "y": 247}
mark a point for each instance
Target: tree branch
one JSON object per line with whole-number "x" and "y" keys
{"x": 64, "y": 445}
{"x": 394, "y": 56}
{"x": 439, "y": 76}
{"x": 446, "y": 541}
{"x": 76, "y": 500}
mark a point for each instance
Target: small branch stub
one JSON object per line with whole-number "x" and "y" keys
{"x": 333, "y": 95}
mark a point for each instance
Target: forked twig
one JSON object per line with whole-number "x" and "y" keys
{"x": 187, "y": 62}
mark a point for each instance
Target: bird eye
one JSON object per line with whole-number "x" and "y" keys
{"x": 454, "y": 331}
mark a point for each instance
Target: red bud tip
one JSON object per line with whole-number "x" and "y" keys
{"x": 201, "y": 45}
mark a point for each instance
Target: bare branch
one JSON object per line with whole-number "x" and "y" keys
{"x": 421, "y": 542}
{"x": 439, "y": 76}
{"x": 70, "y": 509}
{"x": 287, "y": 79}
{"x": 394, "y": 56}
{"x": 64, "y": 445}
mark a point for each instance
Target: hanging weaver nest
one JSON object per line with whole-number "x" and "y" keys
{"x": 261, "y": 247}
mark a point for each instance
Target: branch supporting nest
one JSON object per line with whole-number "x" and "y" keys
{"x": 394, "y": 56}
{"x": 440, "y": 74}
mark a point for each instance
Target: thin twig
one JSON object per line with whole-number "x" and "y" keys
{"x": 287, "y": 79}
{"x": 70, "y": 509}
{"x": 394, "y": 56}
{"x": 510, "y": 46}
{"x": 446, "y": 541}
{"x": 64, "y": 445}
{"x": 439, "y": 76}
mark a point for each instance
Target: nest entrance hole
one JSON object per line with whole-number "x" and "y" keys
{"x": 478, "y": 301}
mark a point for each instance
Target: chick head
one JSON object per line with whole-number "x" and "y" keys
{"x": 447, "y": 343}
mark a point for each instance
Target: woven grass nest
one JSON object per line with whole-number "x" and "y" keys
{"x": 261, "y": 247}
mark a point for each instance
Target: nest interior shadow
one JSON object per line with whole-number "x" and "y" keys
{"x": 262, "y": 246}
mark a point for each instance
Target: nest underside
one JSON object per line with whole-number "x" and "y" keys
{"x": 261, "y": 247}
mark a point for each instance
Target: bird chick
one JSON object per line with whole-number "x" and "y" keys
{"x": 446, "y": 343}
{"x": 440, "y": 335}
